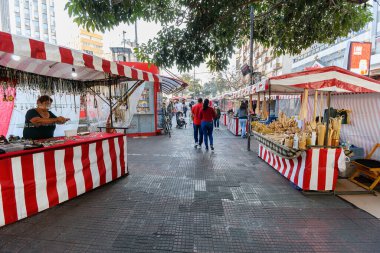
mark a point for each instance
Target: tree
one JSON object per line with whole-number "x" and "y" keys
{"x": 197, "y": 31}
{"x": 195, "y": 88}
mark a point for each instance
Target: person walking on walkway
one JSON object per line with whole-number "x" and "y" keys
{"x": 242, "y": 113}
{"x": 178, "y": 109}
{"x": 198, "y": 134}
{"x": 184, "y": 106}
{"x": 207, "y": 116}
{"x": 217, "y": 119}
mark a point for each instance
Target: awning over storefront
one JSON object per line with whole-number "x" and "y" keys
{"x": 45, "y": 59}
{"x": 171, "y": 86}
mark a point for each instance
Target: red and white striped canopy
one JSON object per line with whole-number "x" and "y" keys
{"x": 332, "y": 79}
{"x": 41, "y": 58}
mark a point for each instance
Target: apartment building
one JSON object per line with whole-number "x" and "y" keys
{"x": 30, "y": 18}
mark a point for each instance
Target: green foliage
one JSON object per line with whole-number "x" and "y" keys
{"x": 197, "y": 31}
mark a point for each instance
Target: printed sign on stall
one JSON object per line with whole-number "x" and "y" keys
{"x": 360, "y": 57}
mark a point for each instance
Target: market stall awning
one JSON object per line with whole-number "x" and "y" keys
{"x": 171, "y": 85}
{"x": 45, "y": 59}
{"x": 334, "y": 79}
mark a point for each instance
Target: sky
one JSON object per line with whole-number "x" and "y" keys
{"x": 145, "y": 31}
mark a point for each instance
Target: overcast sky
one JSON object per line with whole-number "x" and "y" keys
{"x": 145, "y": 32}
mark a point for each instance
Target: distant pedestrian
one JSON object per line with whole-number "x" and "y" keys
{"x": 207, "y": 116}
{"x": 217, "y": 119}
{"x": 198, "y": 134}
{"x": 184, "y": 108}
{"x": 242, "y": 113}
{"x": 170, "y": 110}
{"x": 178, "y": 109}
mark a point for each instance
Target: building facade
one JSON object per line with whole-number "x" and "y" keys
{"x": 91, "y": 42}
{"x": 30, "y": 18}
{"x": 264, "y": 62}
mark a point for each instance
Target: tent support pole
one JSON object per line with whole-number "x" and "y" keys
{"x": 328, "y": 118}
{"x": 110, "y": 101}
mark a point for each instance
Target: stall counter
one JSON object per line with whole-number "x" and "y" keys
{"x": 34, "y": 180}
{"x": 315, "y": 169}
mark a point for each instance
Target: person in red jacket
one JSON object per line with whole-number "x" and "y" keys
{"x": 197, "y": 123}
{"x": 207, "y": 116}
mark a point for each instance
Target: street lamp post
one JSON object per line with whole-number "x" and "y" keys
{"x": 250, "y": 79}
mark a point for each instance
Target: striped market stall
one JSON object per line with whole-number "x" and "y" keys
{"x": 41, "y": 174}
{"x": 316, "y": 168}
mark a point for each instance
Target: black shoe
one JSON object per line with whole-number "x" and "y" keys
{"x": 212, "y": 147}
{"x": 207, "y": 148}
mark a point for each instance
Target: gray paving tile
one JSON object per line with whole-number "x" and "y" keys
{"x": 181, "y": 199}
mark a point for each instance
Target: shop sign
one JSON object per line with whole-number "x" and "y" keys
{"x": 359, "y": 58}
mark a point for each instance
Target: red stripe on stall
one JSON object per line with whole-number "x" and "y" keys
{"x": 51, "y": 178}
{"x": 8, "y": 191}
{"x": 322, "y": 169}
{"x": 37, "y": 49}
{"x": 86, "y": 167}
{"x": 66, "y": 55}
{"x": 6, "y": 43}
{"x": 29, "y": 184}
{"x": 134, "y": 73}
{"x": 120, "y": 70}
{"x": 70, "y": 171}
{"x": 111, "y": 143}
{"x": 307, "y": 171}
{"x": 88, "y": 61}
{"x": 145, "y": 76}
{"x": 299, "y": 159}
{"x": 122, "y": 161}
{"x": 101, "y": 164}
{"x": 106, "y": 65}
{"x": 291, "y": 168}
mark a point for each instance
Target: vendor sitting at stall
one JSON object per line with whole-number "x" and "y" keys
{"x": 40, "y": 122}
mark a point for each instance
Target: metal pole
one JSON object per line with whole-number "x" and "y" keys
{"x": 124, "y": 57}
{"x": 110, "y": 100}
{"x": 328, "y": 117}
{"x": 250, "y": 79}
{"x": 136, "y": 41}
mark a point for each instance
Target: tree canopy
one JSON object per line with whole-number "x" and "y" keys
{"x": 197, "y": 31}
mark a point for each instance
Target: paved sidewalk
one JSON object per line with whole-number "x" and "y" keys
{"x": 180, "y": 199}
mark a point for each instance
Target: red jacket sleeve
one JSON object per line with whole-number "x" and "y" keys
{"x": 200, "y": 114}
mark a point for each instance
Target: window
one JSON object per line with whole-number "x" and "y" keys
{"x": 27, "y": 32}
{"x": 18, "y": 31}
{"x": 36, "y": 25}
{"x": 18, "y": 21}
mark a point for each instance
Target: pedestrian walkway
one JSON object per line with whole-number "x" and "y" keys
{"x": 181, "y": 199}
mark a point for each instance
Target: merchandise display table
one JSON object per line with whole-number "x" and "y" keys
{"x": 34, "y": 180}
{"x": 314, "y": 170}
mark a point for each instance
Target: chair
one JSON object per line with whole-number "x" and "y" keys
{"x": 368, "y": 167}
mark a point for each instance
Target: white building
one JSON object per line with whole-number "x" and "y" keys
{"x": 30, "y": 18}
{"x": 264, "y": 61}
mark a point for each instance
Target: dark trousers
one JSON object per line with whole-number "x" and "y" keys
{"x": 198, "y": 133}
{"x": 207, "y": 128}
{"x": 216, "y": 122}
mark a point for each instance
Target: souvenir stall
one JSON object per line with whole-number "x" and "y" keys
{"x": 309, "y": 150}
{"x": 39, "y": 174}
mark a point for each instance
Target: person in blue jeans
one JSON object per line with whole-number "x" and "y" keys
{"x": 195, "y": 110}
{"x": 207, "y": 116}
{"x": 243, "y": 116}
